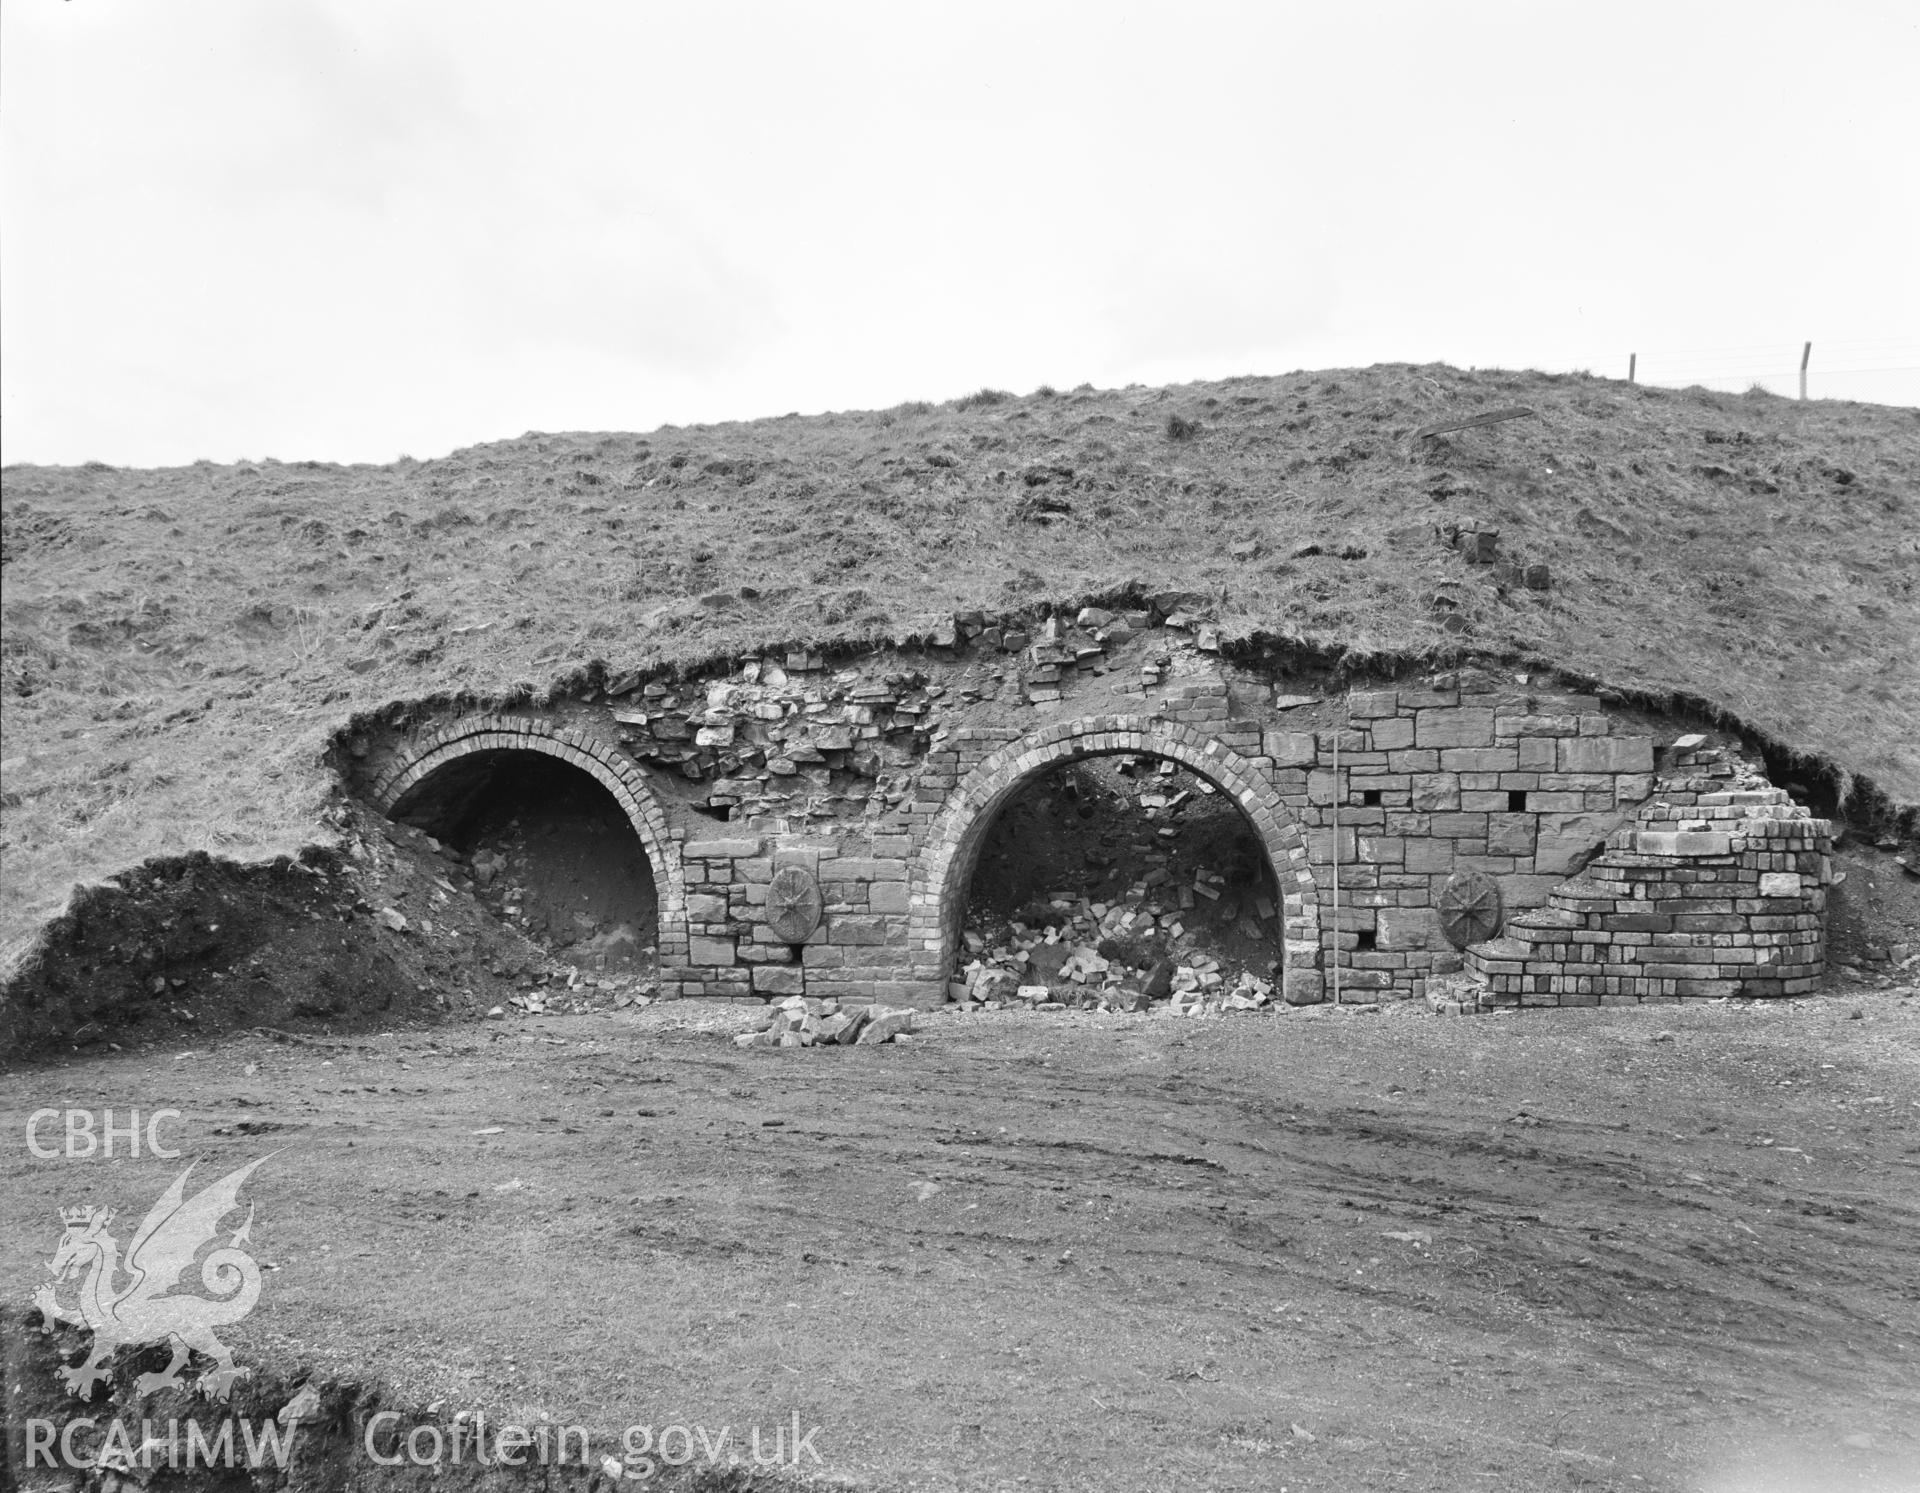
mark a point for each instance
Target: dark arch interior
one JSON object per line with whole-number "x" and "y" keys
{"x": 551, "y": 850}
{"x": 1134, "y": 832}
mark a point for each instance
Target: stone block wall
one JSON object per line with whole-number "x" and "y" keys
{"x": 1471, "y": 773}
{"x": 880, "y": 773}
{"x": 859, "y": 950}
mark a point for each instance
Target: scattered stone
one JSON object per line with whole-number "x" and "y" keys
{"x": 886, "y": 1024}
{"x": 841, "y": 1028}
{"x": 303, "y": 1406}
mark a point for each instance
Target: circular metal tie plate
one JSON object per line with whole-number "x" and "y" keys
{"x": 1469, "y": 909}
{"x": 794, "y": 904}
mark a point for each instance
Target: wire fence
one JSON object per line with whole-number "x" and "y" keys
{"x": 1775, "y": 366}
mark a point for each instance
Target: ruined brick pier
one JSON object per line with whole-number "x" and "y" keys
{"x": 1707, "y": 894}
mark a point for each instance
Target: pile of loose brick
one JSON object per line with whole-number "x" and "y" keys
{"x": 1717, "y": 888}
{"x": 1062, "y": 967}
{"x": 802, "y": 1022}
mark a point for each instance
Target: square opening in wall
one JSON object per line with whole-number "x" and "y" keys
{"x": 1371, "y": 798}
{"x": 1366, "y": 939}
{"x": 1517, "y": 801}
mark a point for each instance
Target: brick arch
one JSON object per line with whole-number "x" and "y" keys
{"x": 581, "y": 748}
{"x": 946, "y": 866}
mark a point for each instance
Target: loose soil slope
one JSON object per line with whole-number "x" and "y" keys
{"x": 180, "y": 644}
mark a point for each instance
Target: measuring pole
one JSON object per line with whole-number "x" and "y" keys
{"x": 1805, "y": 353}
{"x": 1336, "y": 865}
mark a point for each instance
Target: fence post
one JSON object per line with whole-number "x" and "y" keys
{"x": 1633, "y": 362}
{"x": 1805, "y": 353}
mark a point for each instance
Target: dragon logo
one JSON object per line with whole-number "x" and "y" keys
{"x": 147, "y": 1310}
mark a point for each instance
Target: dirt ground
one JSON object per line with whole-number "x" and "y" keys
{"x": 1658, "y": 1248}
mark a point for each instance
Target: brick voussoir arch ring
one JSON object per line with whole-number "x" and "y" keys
{"x": 953, "y": 845}
{"x": 621, "y": 777}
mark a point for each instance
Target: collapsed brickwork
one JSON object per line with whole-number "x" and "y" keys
{"x": 1717, "y": 888}
{"x": 813, "y": 825}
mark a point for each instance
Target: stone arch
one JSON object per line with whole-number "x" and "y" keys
{"x": 945, "y": 867}
{"x": 581, "y": 748}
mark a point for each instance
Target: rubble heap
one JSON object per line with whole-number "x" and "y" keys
{"x": 802, "y": 1022}
{"x": 1155, "y": 889}
{"x": 550, "y": 853}
{"x": 564, "y": 989}
{"x": 513, "y": 884}
{"x": 1082, "y": 961}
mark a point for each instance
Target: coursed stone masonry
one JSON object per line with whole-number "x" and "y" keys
{"x": 879, "y": 776}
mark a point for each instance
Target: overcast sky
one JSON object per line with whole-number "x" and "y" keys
{"x": 347, "y": 229}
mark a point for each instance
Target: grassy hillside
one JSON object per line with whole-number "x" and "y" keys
{"x": 180, "y": 643}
